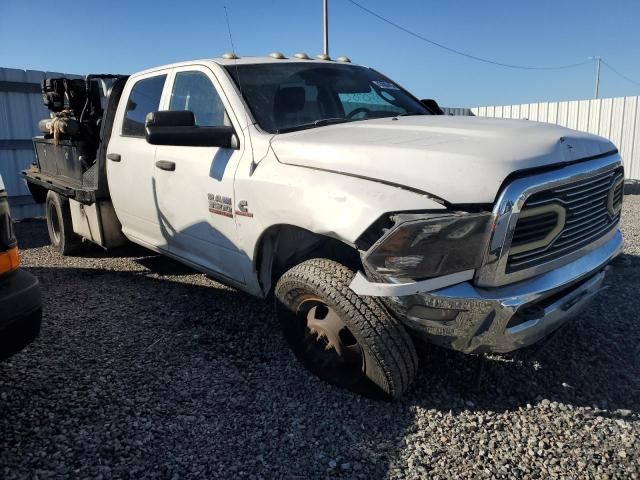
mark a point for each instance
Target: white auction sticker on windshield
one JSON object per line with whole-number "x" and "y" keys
{"x": 385, "y": 85}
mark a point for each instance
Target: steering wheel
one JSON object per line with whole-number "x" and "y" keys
{"x": 358, "y": 110}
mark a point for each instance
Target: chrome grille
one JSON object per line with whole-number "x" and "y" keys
{"x": 592, "y": 209}
{"x": 534, "y": 228}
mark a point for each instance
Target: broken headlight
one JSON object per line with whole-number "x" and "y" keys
{"x": 421, "y": 246}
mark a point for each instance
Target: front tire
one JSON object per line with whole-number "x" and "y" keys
{"x": 59, "y": 224}
{"x": 345, "y": 339}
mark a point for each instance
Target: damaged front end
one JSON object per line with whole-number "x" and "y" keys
{"x": 449, "y": 276}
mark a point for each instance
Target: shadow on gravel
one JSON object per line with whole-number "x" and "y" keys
{"x": 632, "y": 187}
{"x": 593, "y": 361}
{"x": 164, "y": 265}
{"x": 152, "y": 372}
{"x": 137, "y": 373}
{"x": 32, "y": 233}
{"x": 90, "y": 250}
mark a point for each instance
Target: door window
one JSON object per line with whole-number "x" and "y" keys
{"x": 194, "y": 91}
{"x": 144, "y": 98}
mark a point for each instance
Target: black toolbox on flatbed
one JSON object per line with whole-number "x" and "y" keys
{"x": 67, "y": 159}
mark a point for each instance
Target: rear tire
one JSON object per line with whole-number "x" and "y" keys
{"x": 327, "y": 326}
{"x": 59, "y": 225}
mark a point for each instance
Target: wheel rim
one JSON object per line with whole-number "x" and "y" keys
{"x": 54, "y": 223}
{"x": 327, "y": 343}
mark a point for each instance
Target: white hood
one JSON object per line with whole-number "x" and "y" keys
{"x": 459, "y": 159}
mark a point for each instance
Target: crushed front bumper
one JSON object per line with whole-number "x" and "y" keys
{"x": 501, "y": 319}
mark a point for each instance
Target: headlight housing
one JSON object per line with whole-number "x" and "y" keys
{"x": 421, "y": 246}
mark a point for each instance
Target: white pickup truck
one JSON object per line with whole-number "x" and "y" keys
{"x": 368, "y": 218}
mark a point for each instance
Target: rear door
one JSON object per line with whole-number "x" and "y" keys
{"x": 130, "y": 161}
{"x": 196, "y": 199}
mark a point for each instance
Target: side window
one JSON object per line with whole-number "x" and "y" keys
{"x": 144, "y": 98}
{"x": 194, "y": 91}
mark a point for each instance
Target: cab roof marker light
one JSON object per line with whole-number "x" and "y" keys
{"x": 302, "y": 56}
{"x": 277, "y": 55}
{"x": 230, "y": 56}
{"x": 344, "y": 59}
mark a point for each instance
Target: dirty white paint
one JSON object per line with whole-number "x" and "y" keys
{"x": 436, "y": 153}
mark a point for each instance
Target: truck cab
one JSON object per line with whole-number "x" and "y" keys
{"x": 367, "y": 218}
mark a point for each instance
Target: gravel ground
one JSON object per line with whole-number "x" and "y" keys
{"x": 145, "y": 368}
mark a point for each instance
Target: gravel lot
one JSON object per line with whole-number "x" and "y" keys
{"x": 147, "y": 369}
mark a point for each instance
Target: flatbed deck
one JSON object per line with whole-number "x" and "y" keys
{"x": 58, "y": 184}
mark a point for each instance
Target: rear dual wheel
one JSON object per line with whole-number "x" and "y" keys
{"x": 59, "y": 224}
{"x": 345, "y": 339}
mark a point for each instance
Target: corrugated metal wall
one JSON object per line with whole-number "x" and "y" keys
{"x": 457, "y": 111}
{"x": 20, "y": 109}
{"x": 617, "y": 119}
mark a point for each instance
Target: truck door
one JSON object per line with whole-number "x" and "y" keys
{"x": 130, "y": 161}
{"x": 194, "y": 185}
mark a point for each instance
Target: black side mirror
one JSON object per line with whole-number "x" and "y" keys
{"x": 432, "y": 106}
{"x": 179, "y": 128}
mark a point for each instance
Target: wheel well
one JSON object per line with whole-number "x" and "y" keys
{"x": 38, "y": 193}
{"x": 282, "y": 246}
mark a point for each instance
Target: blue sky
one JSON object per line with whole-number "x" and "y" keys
{"x": 124, "y": 36}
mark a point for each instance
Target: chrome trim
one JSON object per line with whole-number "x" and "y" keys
{"x": 507, "y": 210}
{"x": 555, "y": 312}
{"x": 484, "y": 313}
{"x": 553, "y": 233}
{"x": 615, "y": 209}
{"x": 599, "y": 239}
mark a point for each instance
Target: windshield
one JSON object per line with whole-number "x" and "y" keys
{"x": 285, "y": 97}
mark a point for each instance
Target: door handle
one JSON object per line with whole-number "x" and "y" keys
{"x": 166, "y": 165}
{"x": 114, "y": 157}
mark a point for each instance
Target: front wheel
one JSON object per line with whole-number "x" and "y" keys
{"x": 345, "y": 339}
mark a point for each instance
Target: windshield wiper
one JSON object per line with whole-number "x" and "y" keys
{"x": 318, "y": 123}
{"x": 408, "y": 114}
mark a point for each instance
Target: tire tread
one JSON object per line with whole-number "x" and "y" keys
{"x": 382, "y": 335}
{"x": 70, "y": 242}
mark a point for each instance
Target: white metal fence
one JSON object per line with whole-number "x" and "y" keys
{"x": 460, "y": 111}
{"x": 617, "y": 119}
